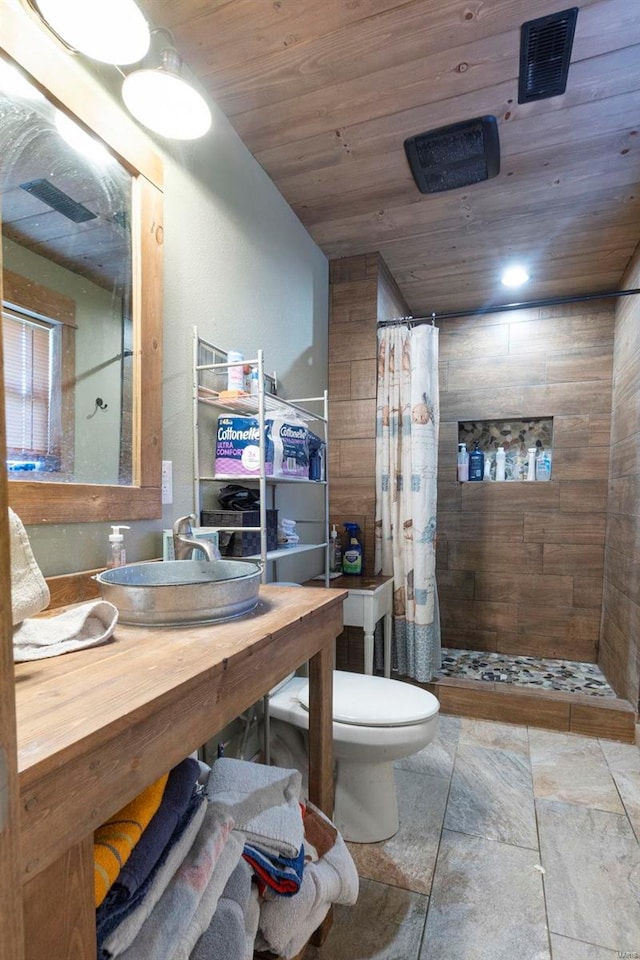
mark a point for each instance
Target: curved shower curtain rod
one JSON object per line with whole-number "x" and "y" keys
{"x": 505, "y": 307}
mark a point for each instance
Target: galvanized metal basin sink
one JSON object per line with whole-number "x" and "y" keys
{"x": 175, "y": 592}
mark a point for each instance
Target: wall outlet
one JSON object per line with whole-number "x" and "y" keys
{"x": 167, "y": 481}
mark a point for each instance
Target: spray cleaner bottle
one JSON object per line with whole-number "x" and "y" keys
{"x": 117, "y": 555}
{"x": 352, "y": 556}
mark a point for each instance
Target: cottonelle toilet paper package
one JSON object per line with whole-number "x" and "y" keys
{"x": 238, "y": 447}
{"x": 288, "y": 444}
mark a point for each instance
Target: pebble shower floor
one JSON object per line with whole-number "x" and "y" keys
{"x": 567, "y": 675}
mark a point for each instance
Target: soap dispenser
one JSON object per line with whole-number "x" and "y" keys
{"x": 117, "y": 554}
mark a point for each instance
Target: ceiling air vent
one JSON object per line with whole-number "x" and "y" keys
{"x": 58, "y": 200}
{"x": 545, "y": 54}
{"x": 454, "y": 156}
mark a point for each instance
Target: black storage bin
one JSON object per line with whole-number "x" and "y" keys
{"x": 242, "y": 544}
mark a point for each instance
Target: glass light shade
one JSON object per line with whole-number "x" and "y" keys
{"x": 112, "y": 31}
{"x": 515, "y": 276}
{"x": 166, "y": 104}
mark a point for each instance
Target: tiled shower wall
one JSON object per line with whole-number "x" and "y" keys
{"x": 520, "y": 565}
{"x": 619, "y": 654}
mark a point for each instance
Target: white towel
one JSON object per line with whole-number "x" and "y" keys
{"x": 29, "y": 591}
{"x": 263, "y": 801}
{"x": 286, "y": 923}
{"x": 84, "y": 626}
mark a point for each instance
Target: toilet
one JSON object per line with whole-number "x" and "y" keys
{"x": 375, "y": 721}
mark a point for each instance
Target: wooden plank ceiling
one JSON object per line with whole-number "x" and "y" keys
{"x": 324, "y": 93}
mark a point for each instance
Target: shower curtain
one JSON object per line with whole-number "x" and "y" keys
{"x": 407, "y": 422}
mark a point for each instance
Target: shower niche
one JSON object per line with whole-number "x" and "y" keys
{"x": 516, "y": 436}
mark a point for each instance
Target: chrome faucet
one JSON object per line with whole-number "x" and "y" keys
{"x": 184, "y": 542}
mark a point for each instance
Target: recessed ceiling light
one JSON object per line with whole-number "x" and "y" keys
{"x": 515, "y": 276}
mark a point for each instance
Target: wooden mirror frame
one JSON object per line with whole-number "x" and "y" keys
{"x": 61, "y": 77}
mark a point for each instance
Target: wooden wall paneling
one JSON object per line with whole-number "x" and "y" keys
{"x": 340, "y": 381}
{"x": 568, "y": 559}
{"x": 521, "y": 558}
{"x": 581, "y": 430}
{"x": 510, "y": 497}
{"x": 624, "y": 495}
{"x": 568, "y": 464}
{"x": 583, "y": 496}
{"x": 505, "y": 371}
{"x": 568, "y": 398}
{"x": 587, "y": 592}
{"x": 525, "y": 588}
{"x": 498, "y": 403}
{"x": 590, "y": 363}
{"x": 357, "y": 458}
{"x": 550, "y": 527}
{"x": 364, "y": 379}
{"x": 352, "y": 419}
{"x": 352, "y": 341}
{"x": 625, "y": 457}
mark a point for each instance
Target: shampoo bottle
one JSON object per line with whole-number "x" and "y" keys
{"x": 543, "y": 466}
{"x": 500, "y": 463}
{"x": 531, "y": 466}
{"x": 117, "y": 555}
{"x": 352, "y": 557}
{"x": 463, "y": 462}
{"x": 476, "y": 463}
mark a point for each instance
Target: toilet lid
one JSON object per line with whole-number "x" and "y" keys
{"x": 368, "y": 701}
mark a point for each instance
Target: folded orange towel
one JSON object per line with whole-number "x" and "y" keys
{"x": 115, "y": 839}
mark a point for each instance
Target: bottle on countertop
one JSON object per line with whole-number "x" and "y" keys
{"x": 463, "y": 462}
{"x": 352, "y": 556}
{"x": 335, "y": 552}
{"x": 476, "y": 463}
{"x": 500, "y": 463}
{"x": 117, "y": 553}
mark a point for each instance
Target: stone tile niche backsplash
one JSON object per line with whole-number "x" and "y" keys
{"x": 516, "y": 436}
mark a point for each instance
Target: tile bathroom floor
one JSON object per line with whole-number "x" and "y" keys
{"x": 515, "y": 843}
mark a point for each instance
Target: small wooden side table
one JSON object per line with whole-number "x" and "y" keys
{"x": 369, "y": 600}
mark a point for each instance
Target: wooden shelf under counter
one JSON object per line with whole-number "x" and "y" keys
{"x": 95, "y": 727}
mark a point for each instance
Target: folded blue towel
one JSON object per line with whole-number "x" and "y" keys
{"x": 175, "y": 800}
{"x": 111, "y": 912}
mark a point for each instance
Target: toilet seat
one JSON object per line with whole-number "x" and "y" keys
{"x": 358, "y": 698}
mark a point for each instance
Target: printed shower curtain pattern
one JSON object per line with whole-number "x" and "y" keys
{"x": 407, "y": 422}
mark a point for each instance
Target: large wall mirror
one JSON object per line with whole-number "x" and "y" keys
{"x": 81, "y": 301}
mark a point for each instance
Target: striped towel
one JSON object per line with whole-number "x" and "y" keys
{"x": 115, "y": 839}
